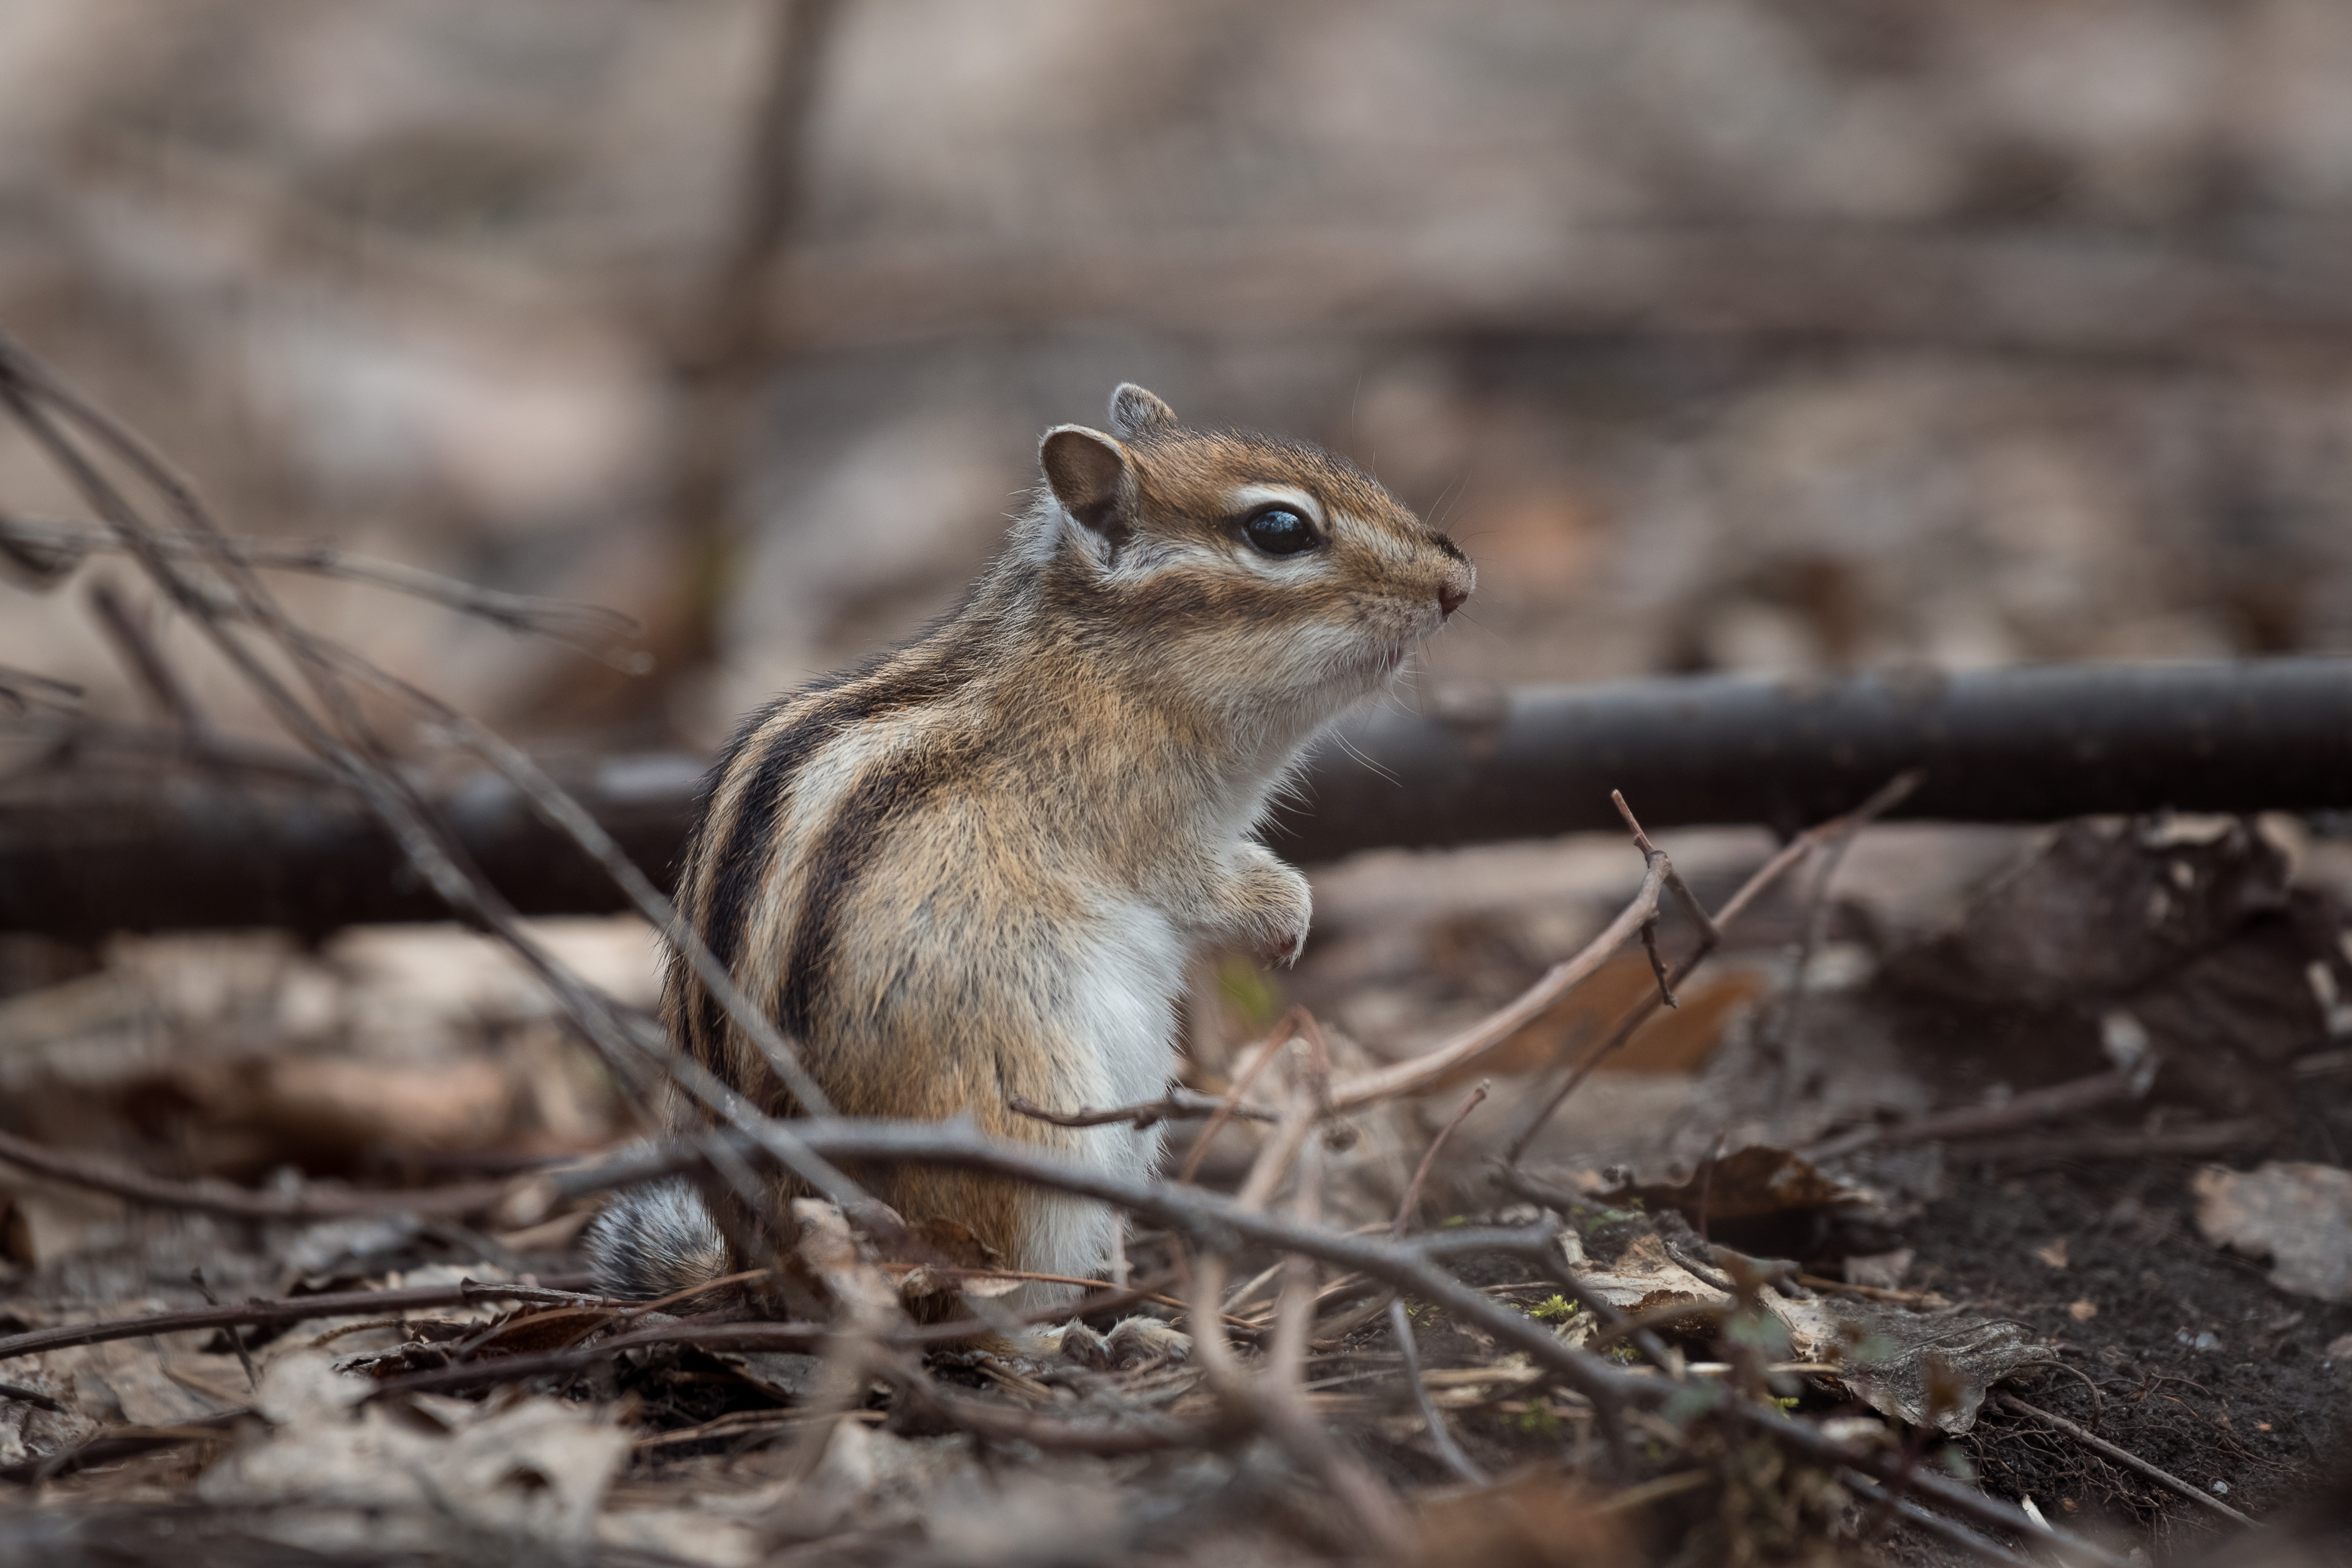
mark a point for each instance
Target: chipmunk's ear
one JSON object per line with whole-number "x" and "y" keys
{"x": 1090, "y": 478}
{"x": 1135, "y": 412}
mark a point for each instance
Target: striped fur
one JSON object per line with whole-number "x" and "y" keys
{"x": 977, "y": 868}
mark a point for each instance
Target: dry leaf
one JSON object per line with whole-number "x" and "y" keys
{"x": 1926, "y": 1370}
{"x": 2296, "y": 1214}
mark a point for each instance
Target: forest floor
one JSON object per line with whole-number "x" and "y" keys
{"x": 1995, "y": 1133}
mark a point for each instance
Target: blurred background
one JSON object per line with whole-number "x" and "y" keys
{"x": 1773, "y": 335}
{"x": 1781, "y": 335}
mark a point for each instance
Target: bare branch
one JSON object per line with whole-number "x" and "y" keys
{"x": 1176, "y": 1105}
{"x": 1466, "y": 1047}
{"x": 1284, "y": 1027}
{"x": 135, "y": 644}
{"x": 2076, "y": 1094}
{"x": 242, "y": 1203}
{"x": 273, "y": 1313}
{"x": 588, "y": 629}
{"x": 1220, "y": 1224}
{"x": 1805, "y": 844}
{"x": 2123, "y": 1457}
{"x": 1401, "y": 1322}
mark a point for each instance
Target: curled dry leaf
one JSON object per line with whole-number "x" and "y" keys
{"x": 1926, "y": 1370}
{"x": 1749, "y": 1184}
{"x": 428, "y": 1477}
{"x": 2297, "y": 1215}
{"x": 2103, "y": 909}
{"x": 1921, "y": 1369}
{"x": 1643, "y": 1278}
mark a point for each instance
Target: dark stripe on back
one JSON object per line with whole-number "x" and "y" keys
{"x": 698, "y": 1012}
{"x": 834, "y": 866}
{"x": 742, "y": 863}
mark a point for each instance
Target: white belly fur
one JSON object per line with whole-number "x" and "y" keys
{"x": 1121, "y": 1025}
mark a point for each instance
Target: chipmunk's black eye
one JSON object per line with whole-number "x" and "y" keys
{"x": 1278, "y": 530}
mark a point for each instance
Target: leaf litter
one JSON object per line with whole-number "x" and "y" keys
{"x": 1781, "y": 1212}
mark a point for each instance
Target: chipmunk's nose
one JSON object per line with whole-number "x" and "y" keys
{"x": 1451, "y": 594}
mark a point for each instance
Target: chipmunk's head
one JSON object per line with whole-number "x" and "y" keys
{"x": 1270, "y": 570}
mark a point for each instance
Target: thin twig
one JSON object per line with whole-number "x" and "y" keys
{"x": 135, "y": 646}
{"x": 2076, "y": 1095}
{"x": 76, "y": 737}
{"x": 235, "y": 1331}
{"x": 1776, "y": 1040}
{"x": 1710, "y": 936}
{"x": 241, "y": 1203}
{"x": 1441, "y": 1433}
{"x": 1466, "y": 1046}
{"x": 278, "y": 1312}
{"x": 1176, "y": 1105}
{"x": 2197, "y": 1138}
{"x": 2125, "y": 1457}
{"x": 32, "y": 1396}
{"x": 1411, "y": 1199}
{"x": 122, "y": 1443}
{"x": 1285, "y": 1029}
{"x": 1657, "y": 964}
{"x": 1950, "y": 1533}
{"x": 588, "y": 629}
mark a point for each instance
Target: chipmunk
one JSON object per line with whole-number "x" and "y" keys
{"x": 977, "y": 867}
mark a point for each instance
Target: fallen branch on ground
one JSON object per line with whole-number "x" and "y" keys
{"x": 244, "y": 1203}
{"x": 2122, "y": 1456}
{"x": 2085, "y": 1093}
{"x": 1220, "y": 1225}
{"x": 101, "y": 852}
{"x": 278, "y": 1312}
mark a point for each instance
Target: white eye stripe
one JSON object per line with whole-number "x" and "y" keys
{"x": 1250, "y": 497}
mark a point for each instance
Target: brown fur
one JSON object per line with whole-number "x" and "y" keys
{"x": 908, "y": 865}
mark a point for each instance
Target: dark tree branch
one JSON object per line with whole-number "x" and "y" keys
{"x": 277, "y": 1313}
{"x": 82, "y": 855}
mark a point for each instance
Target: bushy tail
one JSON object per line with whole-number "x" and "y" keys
{"x": 655, "y": 1240}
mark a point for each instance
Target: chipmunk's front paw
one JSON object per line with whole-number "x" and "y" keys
{"x": 1283, "y": 945}
{"x": 1270, "y": 903}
